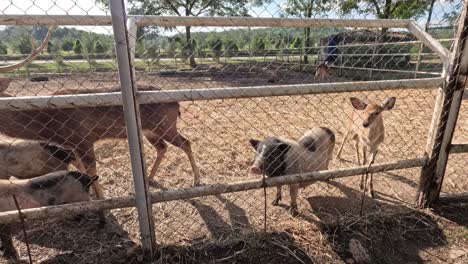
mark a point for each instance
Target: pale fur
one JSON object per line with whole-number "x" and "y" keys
{"x": 27, "y": 159}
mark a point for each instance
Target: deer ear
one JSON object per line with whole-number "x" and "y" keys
{"x": 358, "y": 104}
{"x": 389, "y": 103}
{"x": 254, "y": 143}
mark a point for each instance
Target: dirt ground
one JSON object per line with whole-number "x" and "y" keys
{"x": 230, "y": 228}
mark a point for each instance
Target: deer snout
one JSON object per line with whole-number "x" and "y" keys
{"x": 255, "y": 170}
{"x": 365, "y": 124}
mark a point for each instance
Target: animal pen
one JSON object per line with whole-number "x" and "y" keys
{"x": 227, "y": 97}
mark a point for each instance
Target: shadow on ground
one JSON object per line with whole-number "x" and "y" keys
{"x": 386, "y": 233}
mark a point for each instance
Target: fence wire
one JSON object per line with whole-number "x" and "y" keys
{"x": 81, "y": 59}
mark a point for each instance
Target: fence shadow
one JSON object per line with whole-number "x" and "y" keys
{"x": 274, "y": 247}
{"x": 216, "y": 225}
{"x": 388, "y": 233}
{"x": 81, "y": 241}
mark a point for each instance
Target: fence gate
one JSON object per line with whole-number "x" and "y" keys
{"x": 449, "y": 110}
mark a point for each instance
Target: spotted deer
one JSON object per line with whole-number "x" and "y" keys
{"x": 367, "y": 130}
{"x": 79, "y": 128}
{"x": 322, "y": 71}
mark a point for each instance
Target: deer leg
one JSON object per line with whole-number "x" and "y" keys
{"x": 364, "y": 161}
{"x": 88, "y": 158}
{"x": 184, "y": 144}
{"x": 371, "y": 176}
{"x": 161, "y": 148}
{"x": 342, "y": 144}
{"x": 278, "y": 196}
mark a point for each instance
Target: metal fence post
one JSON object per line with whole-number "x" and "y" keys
{"x": 432, "y": 173}
{"x": 132, "y": 119}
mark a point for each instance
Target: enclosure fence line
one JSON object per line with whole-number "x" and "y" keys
{"x": 200, "y": 191}
{"x": 166, "y": 96}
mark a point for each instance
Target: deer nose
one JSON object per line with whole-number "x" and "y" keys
{"x": 365, "y": 124}
{"x": 255, "y": 170}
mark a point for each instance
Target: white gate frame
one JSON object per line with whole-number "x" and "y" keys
{"x": 132, "y": 98}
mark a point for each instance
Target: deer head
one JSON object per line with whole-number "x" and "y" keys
{"x": 369, "y": 111}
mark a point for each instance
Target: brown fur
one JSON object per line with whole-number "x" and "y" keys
{"x": 322, "y": 72}
{"x": 367, "y": 130}
{"x": 80, "y": 128}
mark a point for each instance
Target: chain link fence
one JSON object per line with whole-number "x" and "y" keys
{"x": 221, "y": 67}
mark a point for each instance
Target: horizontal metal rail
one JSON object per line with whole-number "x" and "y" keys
{"x": 165, "y": 96}
{"x": 429, "y": 41}
{"x": 458, "y": 148}
{"x": 200, "y": 191}
{"x": 172, "y": 21}
{"x": 386, "y": 70}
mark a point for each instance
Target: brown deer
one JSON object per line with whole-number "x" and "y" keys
{"x": 322, "y": 71}
{"x": 80, "y": 128}
{"x": 367, "y": 129}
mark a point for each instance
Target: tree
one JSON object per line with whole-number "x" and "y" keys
{"x": 216, "y": 45}
{"x": 149, "y": 51}
{"x": 89, "y": 49}
{"x": 52, "y": 47}
{"x": 297, "y": 43}
{"x": 3, "y": 49}
{"x": 258, "y": 43}
{"x": 387, "y": 9}
{"x": 23, "y": 45}
{"x": 78, "y": 47}
{"x": 305, "y": 9}
{"x": 99, "y": 48}
{"x": 188, "y": 8}
{"x": 230, "y": 46}
{"x": 67, "y": 44}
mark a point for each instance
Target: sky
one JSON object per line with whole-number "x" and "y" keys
{"x": 89, "y": 7}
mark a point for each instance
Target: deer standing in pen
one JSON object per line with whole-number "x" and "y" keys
{"x": 368, "y": 131}
{"x": 80, "y": 128}
{"x": 322, "y": 71}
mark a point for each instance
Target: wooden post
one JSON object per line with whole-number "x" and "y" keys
{"x": 432, "y": 173}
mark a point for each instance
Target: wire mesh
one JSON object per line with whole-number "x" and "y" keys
{"x": 81, "y": 59}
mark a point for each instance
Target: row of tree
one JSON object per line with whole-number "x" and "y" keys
{"x": 383, "y": 9}
{"x": 19, "y": 40}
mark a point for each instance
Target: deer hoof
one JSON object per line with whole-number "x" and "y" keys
{"x": 197, "y": 184}
{"x": 276, "y": 201}
{"x": 101, "y": 220}
{"x": 293, "y": 210}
